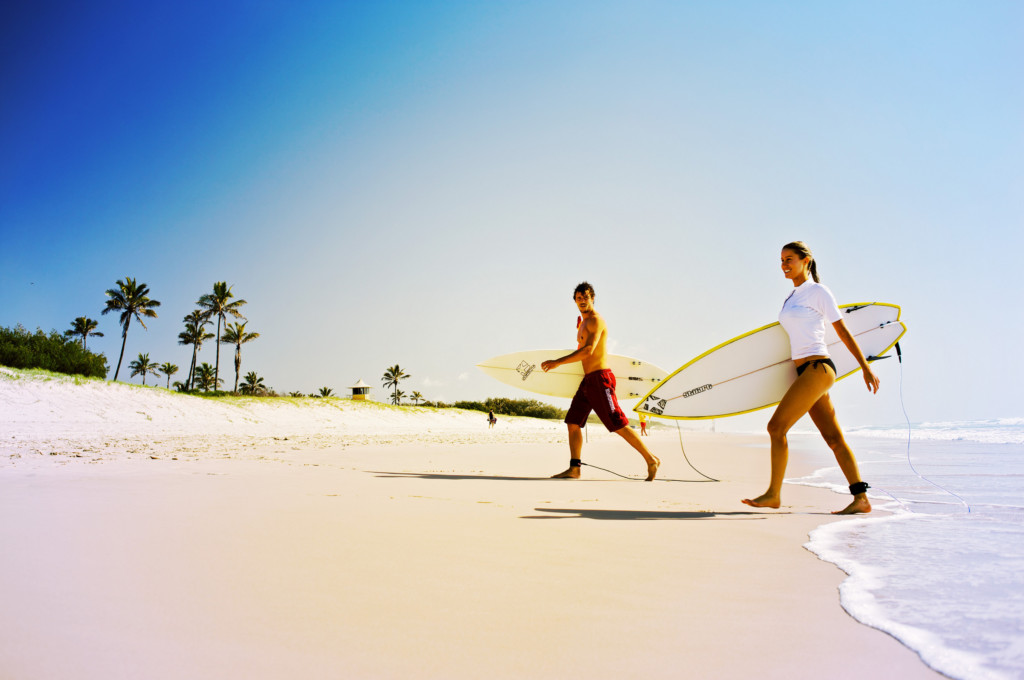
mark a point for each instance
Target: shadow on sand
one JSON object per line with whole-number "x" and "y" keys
{"x": 500, "y": 478}
{"x": 628, "y": 515}
{"x": 593, "y": 513}
{"x": 440, "y": 475}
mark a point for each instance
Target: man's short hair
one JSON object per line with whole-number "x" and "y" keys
{"x": 586, "y": 289}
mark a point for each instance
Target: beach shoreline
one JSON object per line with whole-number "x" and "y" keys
{"x": 455, "y": 558}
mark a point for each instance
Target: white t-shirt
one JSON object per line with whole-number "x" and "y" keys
{"x": 804, "y": 314}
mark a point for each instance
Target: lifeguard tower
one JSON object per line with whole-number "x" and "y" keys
{"x": 360, "y": 391}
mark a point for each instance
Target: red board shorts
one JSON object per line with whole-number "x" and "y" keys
{"x": 597, "y": 393}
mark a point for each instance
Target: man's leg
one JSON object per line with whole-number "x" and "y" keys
{"x": 634, "y": 441}
{"x": 575, "y": 449}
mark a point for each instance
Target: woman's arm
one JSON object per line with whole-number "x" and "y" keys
{"x": 870, "y": 379}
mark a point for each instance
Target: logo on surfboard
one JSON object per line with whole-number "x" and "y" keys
{"x": 654, "y": 405}
{"x": 525, "y": 369}
{"x": 696, "y": 390}
{"x": 657, "y": 405}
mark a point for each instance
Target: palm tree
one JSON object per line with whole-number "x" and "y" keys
{"x": 168, "y": 369}
{"x": 326, "y": 391}
{"x": 397, "y": 398}
{"x": 254, "y": 384}
{"x": 142, "y": 366}
{"x": 85, "y": 327}
{"x": 206, "y": 376}
{"x": 416, "y": 398}
{"x": 296, "y": 394}
{"x": 194, "y": 334}
{"x": 219, "y": 304}
{"x": 391, "y": 378}
{"x": 234, "y": 334}
{"x": 132, "y": 300}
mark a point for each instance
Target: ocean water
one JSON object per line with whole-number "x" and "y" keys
{"x": 944, "y": 573}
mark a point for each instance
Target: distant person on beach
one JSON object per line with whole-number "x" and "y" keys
{"x": 597, "y": 390}
{"x": 643, "y": 425}
{"x": 803, "y": 316}
{"x": 491, "y": 420}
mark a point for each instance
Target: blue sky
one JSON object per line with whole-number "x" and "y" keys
{"x": 425, "y": 183}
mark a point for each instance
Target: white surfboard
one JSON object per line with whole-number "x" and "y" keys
{"x": 633, "y": 378}
{"x": 753, "y": 371}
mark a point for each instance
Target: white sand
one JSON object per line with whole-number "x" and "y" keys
{"x": 98, "y": 421}
{"x": 150, "y": 535}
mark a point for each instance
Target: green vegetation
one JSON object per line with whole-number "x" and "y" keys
{"x": 194, "y": 334}
{"x": 143, "y": 366}
{"x": 168, "y": 369}
{"x": 206, "y": 377}
{"x": 132, "y": 300}
{"x": 53, "y": 352}
{"x": 254, "y": 386}
{"x": 391, "y": 378}
{"x": 219, "y": 304}
{"x": 529, "y": 408}
{"x": 235, "y": 334}
{"x": 83, "y": 326}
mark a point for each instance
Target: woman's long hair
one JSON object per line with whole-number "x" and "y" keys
{"x": 802, "y": 251}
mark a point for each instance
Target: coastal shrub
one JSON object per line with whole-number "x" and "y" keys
{"x": 529, "y": 408}
{"x": 21, "y": 349}
{"x": 470, "y": 405}
{"x": 213, "y": 394}
{"x": 217, "y": 394}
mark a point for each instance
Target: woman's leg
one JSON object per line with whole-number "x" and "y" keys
{"x": 801, "y": 396}
{"x": 823, "y": 414}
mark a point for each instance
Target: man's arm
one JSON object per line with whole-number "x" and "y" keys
{"x": 591, "y": 334}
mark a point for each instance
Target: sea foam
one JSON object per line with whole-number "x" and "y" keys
{"x": 944, "y": 573}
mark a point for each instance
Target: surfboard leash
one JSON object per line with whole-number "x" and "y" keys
{"x": 657, "y": 479}
{"x": 641, "y": 479}
{"x": 683, "y": 449}
{"x": 899, "y": 356}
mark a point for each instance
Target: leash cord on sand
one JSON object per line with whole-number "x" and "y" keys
{"x": 661, "y": 479}
{"x": 641, "y": 479}
{"x": 683, "y": 449}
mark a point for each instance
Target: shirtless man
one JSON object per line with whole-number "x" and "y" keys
{"x": 597, "y": 390}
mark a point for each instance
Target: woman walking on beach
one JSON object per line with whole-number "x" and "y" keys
{"x": 803, "y": 317}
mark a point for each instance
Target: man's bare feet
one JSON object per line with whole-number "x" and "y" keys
{"x": 860, "y": 505}
{"x": 766, "y": 500}
{"x": 652, "y": 469}
{"x": 571, "y": 473}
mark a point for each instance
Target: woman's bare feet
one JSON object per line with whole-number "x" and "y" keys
{"x": 860, "y": 505}
{"x": 766, "y": 500}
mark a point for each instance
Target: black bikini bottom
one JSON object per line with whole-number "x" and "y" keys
{"x": 817, "y": 362}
